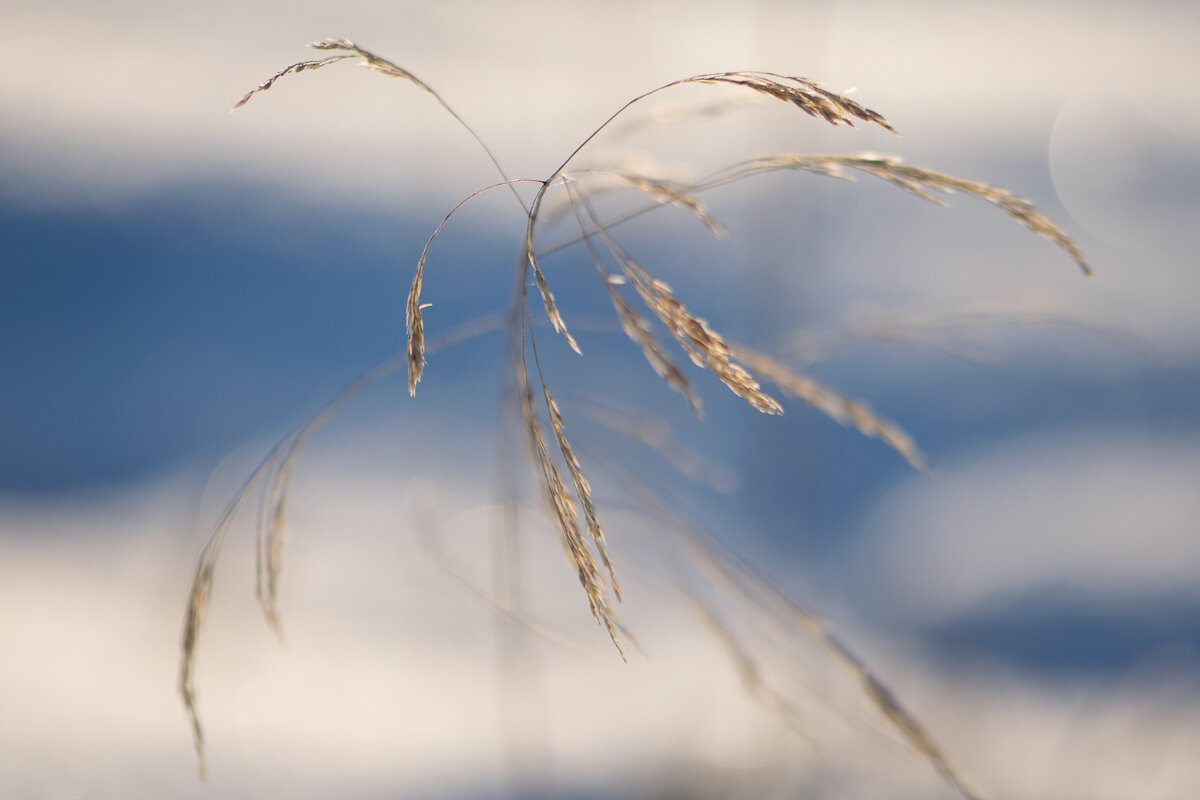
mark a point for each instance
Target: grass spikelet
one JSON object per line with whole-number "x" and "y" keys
{"x": 704, "y": 346}
{"x": 272, "y": 535}
{"x": 414, "y": 322}
{"x": 383, "y": 67}
{"x": 289, "y": 70}
{"x": 350, "y": 51}
{"x": 583, "y": 489}
{"x": 837, "y": 407}
{"x": 804, "y": 93}
{"x": 633, "y": 324}
{"x": 370, "y": 60}
{"x": 552, "y": 312}
{"x": 278, "y": 463}
{"x": 637, "y": 328}
{"x": 918, "y": 179}
{"x": 562, "y": 504}
{"x": 668, "y": 192}
{"x": 193, "y": 622}
{"x": 923, "y": 182}
{"x": 197, "y": 606}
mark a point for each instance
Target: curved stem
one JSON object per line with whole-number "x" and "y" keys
{"x": 510, "y": 182}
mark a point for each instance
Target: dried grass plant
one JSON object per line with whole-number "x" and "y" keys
{"x": 650, "y": 314}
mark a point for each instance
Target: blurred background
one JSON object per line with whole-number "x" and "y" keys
{"x": 183, "y": 286}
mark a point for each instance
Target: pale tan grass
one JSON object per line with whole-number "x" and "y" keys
{"x": 781, "y": 620}
{"x": 669, "y": 192}
{"x": 638, "y": 329}
{"x": 782, "y": 615}
{"x": 414, "y": 320}
{"x": 804, "y": 93}
{"x": 919, "y": 181}
{"x": 572, "y": 505}
{"x": 609, "y": 171}
{"x": 704, "y": 346}
{"x": 348, "y": 51}
{"x": 276, "y": 471}
{"x": 543, "y": 286}
{"x": 656, "y": 434}
{"x": 836, "y": 406}
{"x": 565, "y": 514}
{"x": 634, "y": 325}
{"x": 583, "y": 488}
{"x": 801, "y": 92}
{"x": 291, "y": 69}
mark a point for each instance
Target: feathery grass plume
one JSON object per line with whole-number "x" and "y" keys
{"x": 199, "y": 597}
{"x": 838, "y": 407}
{"x": 276, "y": 468}
{"x": 197, "y": 606}
{"x": 704, "y": 346}
{"x": 804, "y": 93}
{"x": 292, "y": 69}
{"x": 660, "y": 183}
{"x": 668, "y": 192}
{"x": 350, "y": 51}
{"x": 781, "y": 619}
{"x": 272, "y": 536}
{"x": 780, "y": 613}
{"x": 583, "y": 489}
{"x": 572, "y": 507}
{"x": 529, "y": 260}
{"x": 552, "y": 312}
{"x": 633, "y": 324}
{"x": 562, "y": 504}
{"x": 413, "y": 321}
{"x": 919, "y": 181}
{"x": 383, "y": 67}
{"x": 637, "y": 328}
{"x": 414, "y": 325}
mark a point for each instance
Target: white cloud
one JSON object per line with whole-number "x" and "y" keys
{"x": 390, "y": 681}
{"x": 107, "y": 100}
{"x": 1099, "y": 515}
